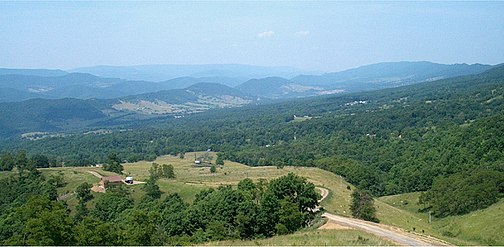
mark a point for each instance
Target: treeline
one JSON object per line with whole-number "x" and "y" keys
{"x": 31, "y": 215}
{"x": 388, "y": 142}
{"x": 464, "y": 192}
{"x": 9, "y": 160}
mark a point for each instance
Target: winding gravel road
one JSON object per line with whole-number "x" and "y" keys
{"x": 387, "y": 232}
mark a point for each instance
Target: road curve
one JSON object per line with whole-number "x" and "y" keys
{"x": 387, "y": 232}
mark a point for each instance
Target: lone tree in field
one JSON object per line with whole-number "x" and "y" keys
{"x": 168, "y": 171}
{"x": 363, "y": 206}
{"x": 220, "y": 160}
{"x": 113, "y": 164}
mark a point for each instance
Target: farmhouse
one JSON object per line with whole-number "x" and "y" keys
{"x": 111, "y": 179}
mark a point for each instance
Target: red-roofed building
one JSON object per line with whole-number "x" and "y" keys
{"x": 111, "y": 179}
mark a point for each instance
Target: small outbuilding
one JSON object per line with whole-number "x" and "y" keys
{"x": 111, "y": 179}
{"x": 197, "y": 162}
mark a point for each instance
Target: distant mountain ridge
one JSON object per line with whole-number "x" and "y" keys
{"x": 62, "y": 115}
{"x": 57, "y": 84}
{"x": 163, "y": 72}
{"x": 19, "y": 87}
{"x": 35, "y": 72}
{"x": 390, "y": 74}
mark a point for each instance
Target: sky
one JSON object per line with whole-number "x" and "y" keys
{"x": 323, "y": 36}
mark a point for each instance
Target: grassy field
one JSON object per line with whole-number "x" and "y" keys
{"x": 478, "y": 228}
{"x": 313, "y": 238}
{"x": 190, "y": 179}
{"x": 482, "y": 227}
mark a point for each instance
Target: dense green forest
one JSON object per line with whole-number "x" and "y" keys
{"x": 388, "y": 142}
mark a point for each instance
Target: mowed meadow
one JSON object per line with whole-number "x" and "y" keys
{"x": 398, "y": 211}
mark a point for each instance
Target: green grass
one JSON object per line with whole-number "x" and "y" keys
{"x": 191, "y": 179}
{"x": 73, "y": 177}
{"x": 313, "y": 238}
{"x": 482, "y": 227}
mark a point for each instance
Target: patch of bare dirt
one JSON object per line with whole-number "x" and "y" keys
{"x": 331, "y": 225}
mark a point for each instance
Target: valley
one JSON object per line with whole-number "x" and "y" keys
{"x": 375, "y": 141}
{"x": 251, "y": 123}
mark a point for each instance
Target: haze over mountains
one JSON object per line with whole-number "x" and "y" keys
{"x": 163, "y": 72}
{"x": 108, "y": 82}
{"x": 60, "y": 101}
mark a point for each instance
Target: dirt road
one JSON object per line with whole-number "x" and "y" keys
{"x": 95, "y": 174}
{"x": 387, "y": 232}
{"x": 323, "y": 192}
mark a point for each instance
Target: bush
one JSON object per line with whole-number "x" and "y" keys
{"x": 363, "y": 206}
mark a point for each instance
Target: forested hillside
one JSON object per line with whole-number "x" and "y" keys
{"x": 390, "y": 74}
{"x": 390, "y": 141}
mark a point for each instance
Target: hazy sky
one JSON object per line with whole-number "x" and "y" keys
{"x": 328, "y": 36}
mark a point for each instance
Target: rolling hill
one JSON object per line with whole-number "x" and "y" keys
{"x": 390, "y": 141}
{"x": 68, "y": 114}
{"x": 196, "y": 98}
{"x": 108, "y": 82}
{"x": 386, "y": 75}
{"x": 276, "y": 88}
{"x": 163, "y": 72}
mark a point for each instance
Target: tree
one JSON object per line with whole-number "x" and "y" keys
{"x": 113, "y": 164}
{"x": 290, "y": 216}
{"x": 220, "y": 160}
{"x": 247, "y": 185}
{"x": 362, "y": 206}
{"x": 297, "y": 190}
{"x": 154, "y": 171}
{"x": 92, "y": 232}
{"x": 40, "y": 160}
{"x": 173, "y": 211}
{"x": 83, "y": 192}
{"x": 40, "y": 222}
{"x": 213, "y": 169}
{"x": 110, "y": 205}
{"x": 152, "y": 189}
{"x": 22, "y": 163}
{"x": 464, "y": 192}
{"x": 167, "y": 171}
{"x": 6, "y": 161}
{"x": 277, "y": 202}
{"x": 138, "y": 228}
